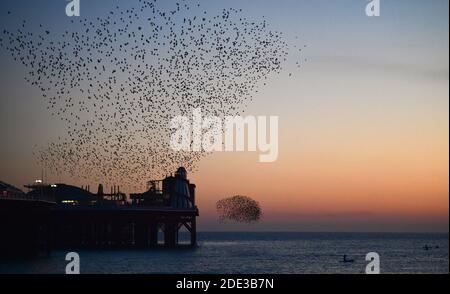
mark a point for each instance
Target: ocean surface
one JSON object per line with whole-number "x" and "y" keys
{"x": 255, "y": 253}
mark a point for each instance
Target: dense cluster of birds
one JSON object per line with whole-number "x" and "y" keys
{"x": 242, "y": 209}
{"x": 115, "y": 82}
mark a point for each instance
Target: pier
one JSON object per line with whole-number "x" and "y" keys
{"x": 64, "y": 217}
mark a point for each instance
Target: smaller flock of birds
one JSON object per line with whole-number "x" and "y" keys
{"x": 241, "y": 209}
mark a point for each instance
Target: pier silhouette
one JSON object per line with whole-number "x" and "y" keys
{"x": 60, "y": 216}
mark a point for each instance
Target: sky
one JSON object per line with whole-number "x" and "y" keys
{"x": 364, "y": 124}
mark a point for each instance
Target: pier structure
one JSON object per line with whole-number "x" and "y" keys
{"x": 122, "y": 227}
{"x": 60, "y": 216}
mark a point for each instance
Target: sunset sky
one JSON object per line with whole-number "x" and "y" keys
{"x": 364, "y": 124}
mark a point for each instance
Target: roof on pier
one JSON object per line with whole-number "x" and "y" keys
{"x": 62, "y": 192}
{"x": 7, "y": 187}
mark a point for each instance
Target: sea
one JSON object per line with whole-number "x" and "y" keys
{"x": 260, "y": 253}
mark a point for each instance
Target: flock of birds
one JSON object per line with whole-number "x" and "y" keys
{"x": 241, "y": 209}
{"x": 115, "y": 82}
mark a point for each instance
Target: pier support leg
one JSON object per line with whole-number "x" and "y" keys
{"x": 193, "y": 233}
{"x": 116, "y": 234}
{"x": 141, "y": 233}
{"x": 153, "y": 234}
{"x": 170, "y": 231}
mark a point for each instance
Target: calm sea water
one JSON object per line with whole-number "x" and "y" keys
{"x": 268, "y": 253}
